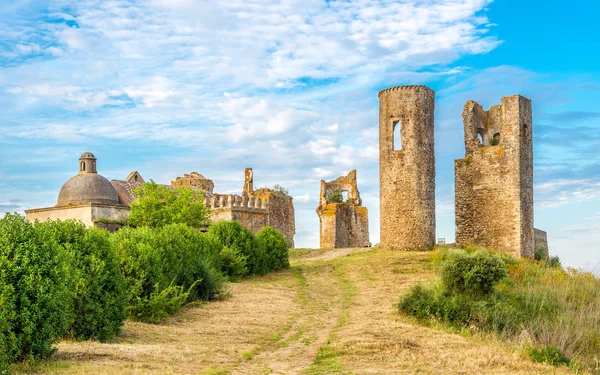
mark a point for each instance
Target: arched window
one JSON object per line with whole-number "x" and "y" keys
{"x": 480, "y": 138}
{"x": 83, "y": 166}
{"x": 397, "y": 135}
{"x": 495, "y": 140}
{"x": 345, "y": 196}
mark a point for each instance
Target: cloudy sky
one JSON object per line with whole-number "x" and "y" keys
{"x": 289, "y": 88}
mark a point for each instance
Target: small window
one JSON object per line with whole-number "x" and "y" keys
{"x": 397, "y": 135}
{"x": 83, "y": 166}
{"x": 480, "y": 138}
{"x": 345, "y": 196}
{"x": 495, "y": 140}
{"x": 135, "y": 177}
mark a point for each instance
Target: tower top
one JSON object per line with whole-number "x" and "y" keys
{"x": 87, "y": 163}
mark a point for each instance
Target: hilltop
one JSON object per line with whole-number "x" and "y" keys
{"x": 332, "y": 312}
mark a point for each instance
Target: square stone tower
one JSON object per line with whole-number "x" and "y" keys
{"x": 494, "y": 182}
{"x": 407, "y": 168}
{"x": 343, "y": 223}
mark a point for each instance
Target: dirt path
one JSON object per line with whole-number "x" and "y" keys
{"x": 331, "y": 313}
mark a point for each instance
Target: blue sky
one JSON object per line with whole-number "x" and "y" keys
{"x": 289, "y": 88}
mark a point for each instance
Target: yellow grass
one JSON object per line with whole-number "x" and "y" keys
{"x": 332, "y": 313}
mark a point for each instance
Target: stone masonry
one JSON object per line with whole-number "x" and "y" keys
{"x": 494, "y": 181}
{"x": 343, "y": 224}
{"x": 255, "y": 209}
{"x": 407, "y": 173}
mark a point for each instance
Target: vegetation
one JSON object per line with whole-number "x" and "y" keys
{"x": 167, "y": 267}
{"x": 35, "y": 292}
{"x": 336, "y": 196}
{"x": 157, "y": 206}
{"x": 555, "y": 310}
{"x": 280, "y": 189}
{"x": 100, "y": 289}
{"x": 241, "y": 241}
{"x": 276, "y": 248}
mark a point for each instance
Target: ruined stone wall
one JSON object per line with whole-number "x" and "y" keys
{"x": 195, "y": 180}
{"x": 407, "y": 176}
{"x": 540, "y": 240}
{"x": 494, "y": 182}
{"x": 343, "y": 224}
{"x": 281, "y": 212}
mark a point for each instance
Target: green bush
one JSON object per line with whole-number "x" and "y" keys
{"x": 474, "y": 274}
{"x": 35, "y": 292}
{"x": 541, "y": 254}
{"x": 276, "y": 248}
{"x": 232, "y": 263}
{"x": 191, "y": 258}
{"x": 101, "y": 294}
{"x": 234, "y": 235}
{"x": 549, "y": 354}
{"x": 166, "y": 266}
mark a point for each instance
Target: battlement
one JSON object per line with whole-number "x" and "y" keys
{"x": 236, "y": 202}
{"x": 404, "y": 87}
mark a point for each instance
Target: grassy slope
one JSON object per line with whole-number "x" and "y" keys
{"x": 331, "y": 313}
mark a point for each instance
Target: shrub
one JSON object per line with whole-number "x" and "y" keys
{"x": 101, "y": 294}
{"x": 549, "y": 354}
{"x": 157, "y": 206}
{"x": 167, "y": 267}
{"x": 336, "y": 196}
{"x": 541, "y": 254}
{"x": 280, "y": 189}
{"x": 234, "y": 235}
{"x": 276, "y": 248}
{"x": 473, "y": 274}
{"x": 35, "y": 292}
{"x": 233, "y": 263}
{"x": 191, "y": 259}
{"x": 556, "y": 309}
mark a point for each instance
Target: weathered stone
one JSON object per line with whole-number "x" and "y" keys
{"x": 407, "y": 174}
{"x": 343, "y": 224}
{"x": 494, "y": 182}
{"x": 540, "y": 240}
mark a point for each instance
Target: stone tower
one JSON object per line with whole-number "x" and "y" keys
{"x": 407, "y": 168}
{"x": 87, "y": 163}
{"x": 494, "y": 181}
{"x": 342, "y": 223}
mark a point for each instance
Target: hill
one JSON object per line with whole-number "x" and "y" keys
{"x": 332, "y": 312}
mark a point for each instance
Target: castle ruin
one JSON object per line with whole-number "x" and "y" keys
{"x": 255, "y": 209}
{"x": 494, "y": 181}
{"x": 407, "y": 168}
{"x": 343, "y": 222}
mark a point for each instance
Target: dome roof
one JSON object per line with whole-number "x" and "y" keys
{"x": 89, "y": 188}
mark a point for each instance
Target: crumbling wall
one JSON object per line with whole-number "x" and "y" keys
{"x": 540, "y": 240}
{"x": 494, "y": 182}
{"x": 407, "y": 174}
{"x": 281, "y": 212}
{"x": 343, "y": 224}
{"x": 195, "y": 180}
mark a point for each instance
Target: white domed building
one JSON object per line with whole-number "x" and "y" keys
{"x": 88, "y": 197}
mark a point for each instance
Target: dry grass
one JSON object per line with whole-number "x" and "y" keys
{"x": 331, "y": 313}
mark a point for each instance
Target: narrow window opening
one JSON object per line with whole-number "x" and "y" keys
{"x": 397, "y": 135}
{"x": 495, "y": 140}
{"x": 83, "y": 166}
{"x": 135, "y": 177}
{"x": 480, "y": 138}
{"x": 345, "y": 196}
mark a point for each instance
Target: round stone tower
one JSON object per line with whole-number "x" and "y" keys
{"x": 407, "y": 168}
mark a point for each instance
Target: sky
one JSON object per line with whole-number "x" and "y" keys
{"x": 289, "y": 88}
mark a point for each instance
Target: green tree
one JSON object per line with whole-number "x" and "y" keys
{"x": 157, "y": 206}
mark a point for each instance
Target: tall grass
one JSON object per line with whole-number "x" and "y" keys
{"x": 554, "y": 312}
